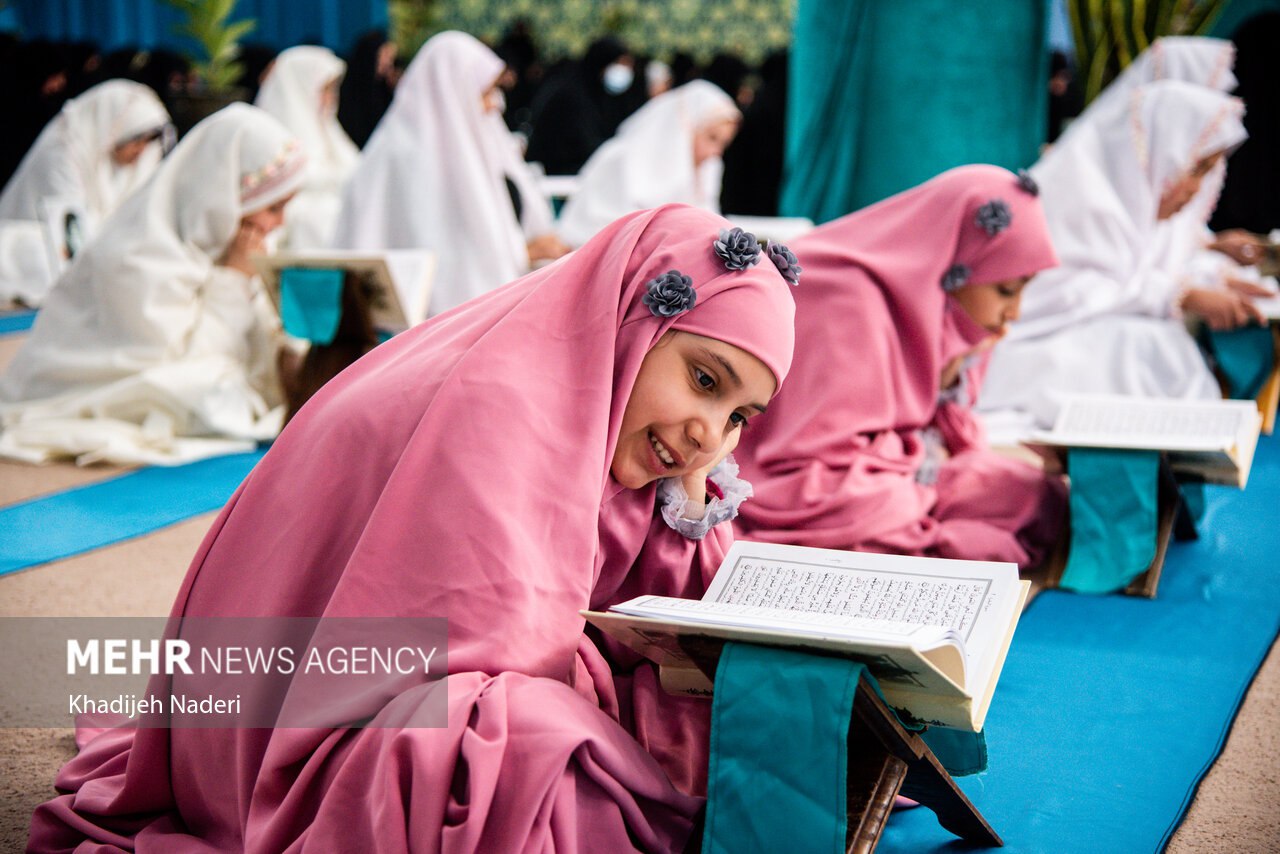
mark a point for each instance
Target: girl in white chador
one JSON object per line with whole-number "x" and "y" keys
{"x": 1108, "y": 320}
{"x": 100, "y": 147}
{"x": 441, "y": 172}
{"x": 668, "y": 151}
{"x": 158, "y": 344}
{"x": 1187, "y": 248}
{"x": 301, "y": 91}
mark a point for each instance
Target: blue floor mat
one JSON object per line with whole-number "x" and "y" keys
{"x": 1111, "y": 709}
{"x": 12, "y": 322}
{"x": 88, "y": 517}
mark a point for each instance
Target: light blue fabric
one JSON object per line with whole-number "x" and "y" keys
{"x": 13, "y": 322}
{"x": 311, "y": 303}
{"x": 88, "y": 517}
{"x": 884, "y": 96}
{"x": 777, "y": 778}
{"x": 1245, "y": 356}
{"x": 1114, "y": 496}
{"x": 1110, "y": 709}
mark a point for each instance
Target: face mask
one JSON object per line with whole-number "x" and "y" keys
{"x": 618, "y": 77}
{"x": 497, "y": 102}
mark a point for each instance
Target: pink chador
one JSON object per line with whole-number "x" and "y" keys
{"x": 843, "y": 458}
{"x": 461, "y": 470}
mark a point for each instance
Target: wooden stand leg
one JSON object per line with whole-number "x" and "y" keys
{"x": 1173, "y": 521}
{"x": 889, "y": 760}
{"x": 875, "y": 776}
{"x": 930, "y": 784}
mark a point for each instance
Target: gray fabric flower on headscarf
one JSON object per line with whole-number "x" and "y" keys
{"x": 670, "y": 294}
{"x": 739, "y": 249}
{"x": 994, "y": 217}
{"x": 955, "y": 278}
{"x": 1027, "y": 184}
{"x": 786, "y": 262}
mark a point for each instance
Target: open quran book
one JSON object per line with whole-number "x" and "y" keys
{"x": 934, "y": 632}
{"x": 1212, "y": 440}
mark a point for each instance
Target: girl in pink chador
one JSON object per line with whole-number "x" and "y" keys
{"x": 873, "y": 445}
{"x": 542, "y": 449}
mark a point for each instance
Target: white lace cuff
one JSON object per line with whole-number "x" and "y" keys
{"x": 935, "y": 454}
{"x": 674, "y": 501}
{"x": 959, "y": 392}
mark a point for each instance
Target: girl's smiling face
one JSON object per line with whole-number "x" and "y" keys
{"x": 691, "y": 395}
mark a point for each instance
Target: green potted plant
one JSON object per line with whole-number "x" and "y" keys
{"x": 216, "y": 69}
{"x": 1110, "y": 33}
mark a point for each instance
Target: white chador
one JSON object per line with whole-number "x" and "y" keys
{"x": 301, "y": 91}
{"x": 1105, "y": 321}
{"x": 1191, "y": 59}
{"x": 1181, "y": 240}
{"x": 650, "y": 162}
{"x": 147, "y": 351}
{"x": 434, "y": 176}
{"x": 71, "y": 165}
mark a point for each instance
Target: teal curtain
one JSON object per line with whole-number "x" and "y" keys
{"x": 1239, "y": 11}
{"x": 150, "y": 23}
{"x": 886, "y": 95}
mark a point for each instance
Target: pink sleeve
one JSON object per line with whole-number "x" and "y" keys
{"x": 675, "y": 730}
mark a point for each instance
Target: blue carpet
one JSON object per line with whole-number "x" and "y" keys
{"x": 88, "y": 517}
{"x": 1111, "y": 709}
{"x": 16, "y": 321}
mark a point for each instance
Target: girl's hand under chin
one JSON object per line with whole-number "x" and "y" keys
{"x": 249, "y": 241}
{"x": 695, "y": 482}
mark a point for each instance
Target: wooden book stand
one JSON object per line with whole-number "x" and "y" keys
{"x": 884, "y": 760}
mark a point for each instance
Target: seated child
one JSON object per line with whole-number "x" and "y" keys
{"x": 873, "y": 446}
{"x": 543, "y": 449}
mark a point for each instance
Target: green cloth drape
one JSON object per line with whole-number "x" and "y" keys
{"x": 1245, "y": 356}
{"x": 885, "y": 95}
{"x": 1114, "y": 514}
{"x": 777, "y": 775}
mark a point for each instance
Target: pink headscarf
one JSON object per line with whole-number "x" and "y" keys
{"x": 461, "y": 470}
{"x": 874, "y": 329}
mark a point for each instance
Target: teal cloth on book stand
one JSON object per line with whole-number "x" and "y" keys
{"x": 961, "y": 753}
{"x": 777, "y": 778}
{"x": 1193, "y": 499}
{"x": 311, "y": 302}
{"x": 1113, "y": 517}
{"x": 1245, "y": 356}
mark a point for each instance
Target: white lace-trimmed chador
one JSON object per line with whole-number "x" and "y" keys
{"x": 293, "y": 93}
{"x": 147, "y": 351}
{"x": 433, "y": 176}
{"x": 649, "y": 162}
{"x": 71, "y": 163}
{"x": 1105, "y": 321}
